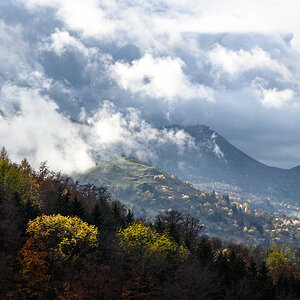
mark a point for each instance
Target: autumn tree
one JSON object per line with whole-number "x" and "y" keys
{"x": 139, "y": 235}
{"x": 148, "y": 258}
{"x": 52, "y": 242}
{"x": 276, "y": 259}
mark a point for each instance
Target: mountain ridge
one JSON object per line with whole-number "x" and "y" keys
{"x": 214, "y": 159}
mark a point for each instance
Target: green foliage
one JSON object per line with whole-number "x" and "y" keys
{"x": 139, "y": 235}
{"x": 276, "y": 259}
{"x": 4, "y": 155}
{"x": 18, "y": 182}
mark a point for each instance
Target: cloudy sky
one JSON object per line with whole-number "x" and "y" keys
{"x": 80, "y": 79}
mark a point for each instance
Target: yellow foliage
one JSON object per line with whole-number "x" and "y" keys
{"x": 53, "y": 240}
{"x": 139, "y": 235}
{"x": 276, "y": 259}
{"x": 66, "y": 237}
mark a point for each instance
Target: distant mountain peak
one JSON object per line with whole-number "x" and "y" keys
{"x": 217, "y": 160}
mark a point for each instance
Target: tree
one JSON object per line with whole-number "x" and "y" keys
{"x": 4, "y": 155}
{"x": 63, "y": 201}
{"x": 35, "y": 269}
{"x": 204, "y": 252}
{"x": 19, "y": 201}
{"x": 139, "y": 235}
{"x": 76, "y": 208}
{"x": 182, "y": 228}
{"x": 276, "y": 259}
{"x": 148, "y": 259}
{"x": 97, "y": 216}
{"x": 53, "y": 241}
{"x": 118, "y": 210}
{"x": 19, "y": 179}
{"x": 129, "y": 217}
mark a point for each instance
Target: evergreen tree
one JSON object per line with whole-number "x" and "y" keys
{"x": 4, "y": 155}
{"x": 129, "y": 217}
{"x": 252, "y": 270}
{"x": 30, "y": 211}
{"x": 204, "y": 252}
{"x": 265, "y": 283}
{"x": 62, "y": 203}
{"x": 97, "y": 215}
{"x": 159, "y": 224}
{"x": 117, "y": 210}
{"x": 76, "y": 208}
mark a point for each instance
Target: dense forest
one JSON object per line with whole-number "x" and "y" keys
{"x": 63, "y": 240}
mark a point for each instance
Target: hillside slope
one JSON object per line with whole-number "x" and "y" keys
{"x": 149, "y": 191}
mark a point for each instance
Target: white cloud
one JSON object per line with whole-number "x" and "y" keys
{"x": 237, "y": 62}
{"x": 87, "y": 17}
{"x": 13, "y": 52}
{"x": 113, "y": 133}
{"x": 18, "y": 62}
{"x": 37, "y": 130}
{"x": 212, "y": 144}
{"x": 161, "y": 77}
{"x": 160, "y": 21}
{"x": 32, "y": 127}
{"x": 61, "y": 41}
{"x": 275, "y": 98}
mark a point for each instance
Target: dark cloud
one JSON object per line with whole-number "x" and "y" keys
{"x": 127, "y": 53}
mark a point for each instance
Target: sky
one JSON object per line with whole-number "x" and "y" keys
{"x": 82, "y": 81}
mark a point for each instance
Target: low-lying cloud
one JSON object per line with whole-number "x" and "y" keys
{"x": 32, "y": 126}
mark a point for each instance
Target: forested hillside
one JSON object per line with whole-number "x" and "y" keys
{"x": 150, "y": 191}
{"x": 63, "y": 240}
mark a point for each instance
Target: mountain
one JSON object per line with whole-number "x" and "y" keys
{"x": 296, "y": 169}
{"x": 215, "y": 163}
{"x": 150, "y": 191}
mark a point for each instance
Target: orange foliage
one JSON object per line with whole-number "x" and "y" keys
{"x": 285, "y": 270}
{"x": 35, "y": 269}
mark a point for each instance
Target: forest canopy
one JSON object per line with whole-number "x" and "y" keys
{"x": 63, "y": 240}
